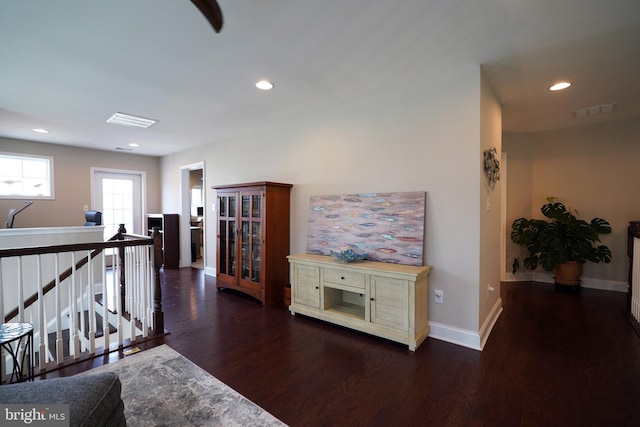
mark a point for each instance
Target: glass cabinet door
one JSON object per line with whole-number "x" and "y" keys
{"x": 251, "y": 238}
{"x": 240, "y": 237}
{"x": 255, "y": 254}
{"x": 246, "y": 262}
{"x": 227, "y": 234}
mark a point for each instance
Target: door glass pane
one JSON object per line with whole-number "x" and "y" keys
{"x": 245, "y": 250}
{"x": 117, "y": 201}
{"x": 223, "y": 245}
{"x": 245, "y": 206}
{"x": 232, "y": 206}
{"x": 223, "y": 206}
{"x": 255, "y": 210}
{"x": 232, "y": 246}
{"x": 255, "y": 243}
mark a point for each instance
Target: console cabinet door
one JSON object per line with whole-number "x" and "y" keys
{"x": 390, "y": 302}
{"x": 306, "y": 279}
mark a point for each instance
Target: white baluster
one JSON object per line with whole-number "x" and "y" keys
{"x": 635, "y": 280}
{"x": 59, "y": 341}
{"x": 118, "y": 301}
{"x": 20, "y": 292}
{"x": 91, "y": 306}
{"x": 74, "y": 343}
{"x": 43, "y": 345}
{"x": 105, "y": 299}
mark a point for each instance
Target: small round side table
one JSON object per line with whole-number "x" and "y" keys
{"x": 17, "y": 340}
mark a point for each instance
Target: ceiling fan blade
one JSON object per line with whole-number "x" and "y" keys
{"x": 211, "y": 10}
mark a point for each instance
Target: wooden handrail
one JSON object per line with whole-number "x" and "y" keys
{"x": 40, "y": 250}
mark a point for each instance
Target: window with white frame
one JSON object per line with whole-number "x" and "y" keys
{"x": 26, "y": 176}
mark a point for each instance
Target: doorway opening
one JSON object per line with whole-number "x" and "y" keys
{"x": 120, "y": 196}
{"x": 192, "y": 224}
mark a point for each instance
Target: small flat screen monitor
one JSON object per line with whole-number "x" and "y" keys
{"x": 200, "y": 211}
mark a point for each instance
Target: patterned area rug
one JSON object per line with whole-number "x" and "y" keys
{"x": 160, "y": 387}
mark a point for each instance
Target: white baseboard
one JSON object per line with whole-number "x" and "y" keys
{"x": 547, "y": 277}
{"x": 489, "y": 322}
{"x": 463, "y": 337}
{"x": 455, "y": 335}
{"x": 210, "y": 271}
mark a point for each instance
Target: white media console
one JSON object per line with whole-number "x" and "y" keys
{"x": 383, "y": 299}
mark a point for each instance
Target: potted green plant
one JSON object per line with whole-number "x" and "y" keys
{"x": 561, "y": 244}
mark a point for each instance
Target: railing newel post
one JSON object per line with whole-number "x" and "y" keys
{"x": 158, "y": 315}
{"x": 121, "y": 250}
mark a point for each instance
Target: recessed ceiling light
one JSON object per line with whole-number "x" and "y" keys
{"x": 133, "y": 144}
{"x": 129, "y": 120}
{"x": 264, "y": 85}
{"x": 560, "y": 86}
{"x": 40, "y": 130}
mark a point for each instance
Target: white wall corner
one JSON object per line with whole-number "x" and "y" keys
{"x": 523, "y": 276}
{"x": 455, "y": 335}
{"x": 466, "y": 338}
{"x": 489, "y": 322}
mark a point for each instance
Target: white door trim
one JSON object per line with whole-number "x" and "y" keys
{"x": 185, "y": 215}
{"x": 143, "y": 189}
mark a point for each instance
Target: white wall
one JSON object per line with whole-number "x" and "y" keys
{"x": 489, "y": 301}
{"x": 72, "y": 178}
{"x": 424, "y": 137}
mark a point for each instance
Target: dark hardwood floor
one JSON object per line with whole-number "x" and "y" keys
{"x": 553, "y": 359}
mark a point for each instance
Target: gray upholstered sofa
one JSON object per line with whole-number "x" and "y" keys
{"x": 94, "y": 400}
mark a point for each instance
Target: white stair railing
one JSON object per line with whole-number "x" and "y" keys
{"x": 67, "y": 313}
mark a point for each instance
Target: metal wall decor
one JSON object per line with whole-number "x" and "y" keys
{"x": 491, "y": 166}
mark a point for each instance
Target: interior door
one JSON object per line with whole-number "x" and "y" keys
{"x": 119, "y": 196}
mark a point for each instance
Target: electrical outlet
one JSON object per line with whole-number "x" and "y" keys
{"x": 489, "y": 290}
{"x": 439, "y": 296}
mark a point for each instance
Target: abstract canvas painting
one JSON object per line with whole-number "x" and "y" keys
{"x": 387, "y": 227}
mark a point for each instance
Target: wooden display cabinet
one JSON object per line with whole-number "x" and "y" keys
{"x": 253, "y": 239}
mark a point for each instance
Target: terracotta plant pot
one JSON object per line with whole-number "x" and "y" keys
{"x": 568, "y": 273}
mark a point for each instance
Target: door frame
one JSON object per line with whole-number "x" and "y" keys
{"x": 143, "y": 190}
{"x": 185, "y": 214}
{"x": 503, "y": 218}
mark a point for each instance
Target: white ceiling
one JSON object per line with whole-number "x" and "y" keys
{"x": 68, "y": 65}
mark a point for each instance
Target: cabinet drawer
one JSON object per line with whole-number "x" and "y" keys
{"x": 341, "y": 277}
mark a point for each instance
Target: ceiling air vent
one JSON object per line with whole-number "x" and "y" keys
{"x": 594, "y": 111}
{"x": 129, "y": 120}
